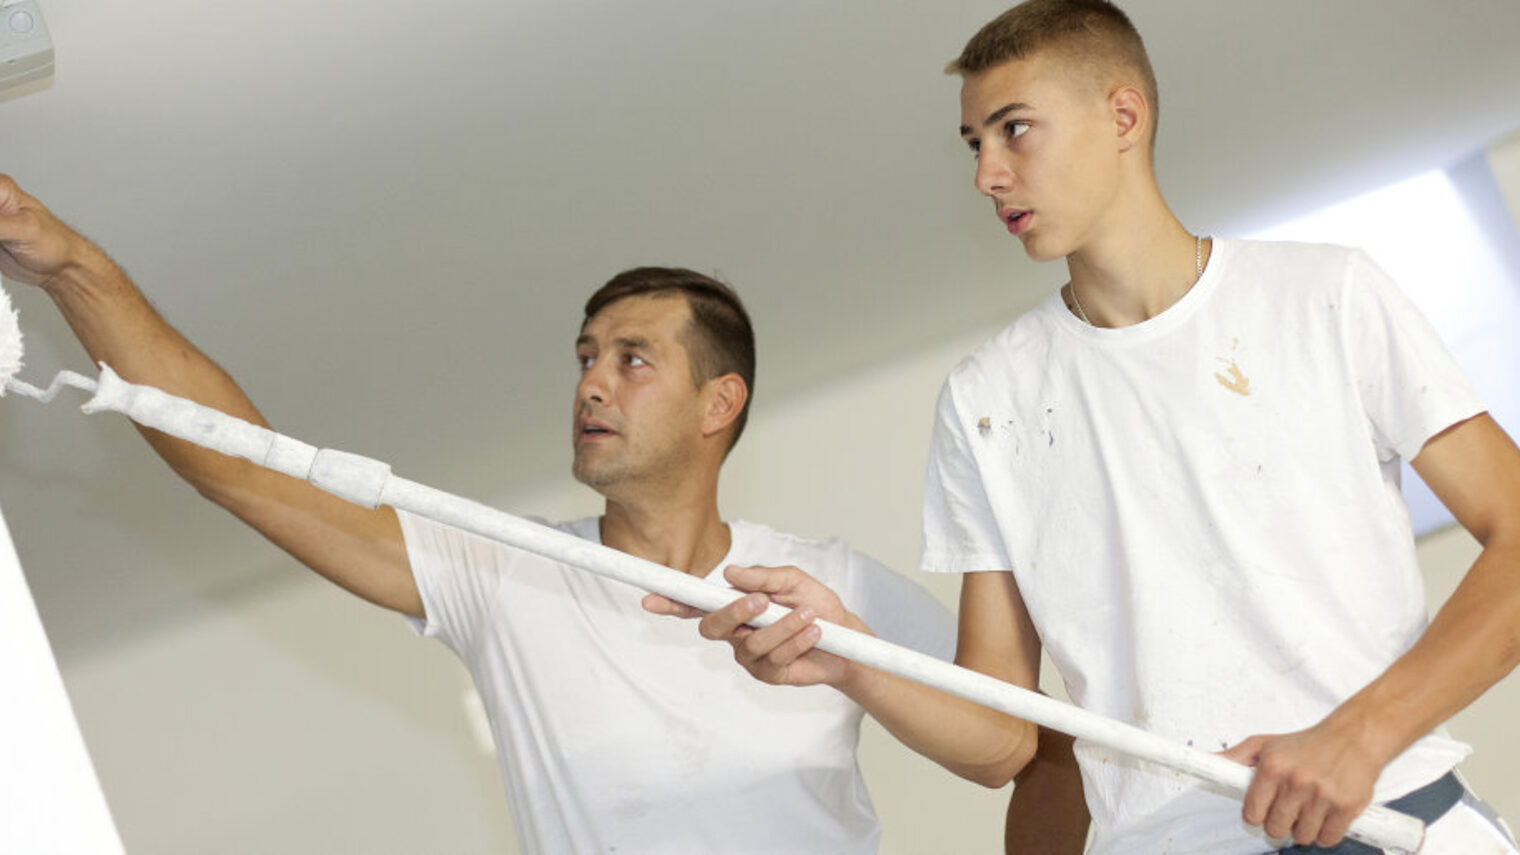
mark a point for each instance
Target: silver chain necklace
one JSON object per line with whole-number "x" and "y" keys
{"x": 1197, "y": 274}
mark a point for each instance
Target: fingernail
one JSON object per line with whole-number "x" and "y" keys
{"x": 806, "y": 614}
{"x": 755, "y": 603}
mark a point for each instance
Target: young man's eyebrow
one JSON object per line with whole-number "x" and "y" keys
{"x": 996, "y": 115}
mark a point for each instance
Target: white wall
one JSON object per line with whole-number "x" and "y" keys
{"x": 294, "y": 718}
{"x": 1504, "y": 160}
{"x": 51, "y": 802}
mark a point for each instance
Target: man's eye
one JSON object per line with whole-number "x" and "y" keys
{"x": 976, "y": 148}
{"x": 583, "y": 362}
{"x": 1015, "y": 129}
{"x": 634, "y": 361}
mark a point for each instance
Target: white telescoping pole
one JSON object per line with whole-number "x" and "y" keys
{"x": 370, "y": 483}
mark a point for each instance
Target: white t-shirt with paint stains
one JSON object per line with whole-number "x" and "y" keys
{"x": 1202, "y": 512}
{"x": 622, "y": 731}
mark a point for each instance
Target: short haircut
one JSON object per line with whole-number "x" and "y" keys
{"x": 1094, "y": 35}
{"x": 719, "y": 338}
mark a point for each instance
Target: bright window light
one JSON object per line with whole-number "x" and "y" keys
{"x": 1449, "y": 256}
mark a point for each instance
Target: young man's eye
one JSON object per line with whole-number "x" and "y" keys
{"x": 583, "y": 362}
{"x": 975, "y": 146}
{"x": 634, "y": 360}
{"x": 1015, "y": 129}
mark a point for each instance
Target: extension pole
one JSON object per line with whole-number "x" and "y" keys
{"x": 369, "y": 482}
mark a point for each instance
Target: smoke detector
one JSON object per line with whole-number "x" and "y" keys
{"x": 26, "y": 51}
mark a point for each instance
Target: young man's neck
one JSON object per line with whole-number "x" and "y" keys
{"x": 1140, "y": 261}
{"x": 683, "y": 531}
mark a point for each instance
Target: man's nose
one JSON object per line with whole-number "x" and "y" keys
{"x": 993, "y": 174}
{"x": 593, "y": 384}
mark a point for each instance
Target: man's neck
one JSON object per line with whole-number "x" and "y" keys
{"x": 685, "y": 534}
{"x": 1141, "y": 262}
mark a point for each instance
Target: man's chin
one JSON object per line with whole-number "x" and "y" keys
{"x": 596, "y": 477}
{"x": 1042, "y": 251}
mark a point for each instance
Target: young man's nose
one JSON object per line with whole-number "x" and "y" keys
{"x": 992, "y": 173}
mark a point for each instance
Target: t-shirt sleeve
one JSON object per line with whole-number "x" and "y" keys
{"x": 960, "y": 533}
{"x": 899, "y": 610}
{"x": 457, "y": 575}
{"x": 1410, "y": 386}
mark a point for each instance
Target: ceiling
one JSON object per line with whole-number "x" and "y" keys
{"x": 383, "y": 216}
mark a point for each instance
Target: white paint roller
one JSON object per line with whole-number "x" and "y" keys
{"x": 10, "y": 342}
{"x": 370, "y": 483}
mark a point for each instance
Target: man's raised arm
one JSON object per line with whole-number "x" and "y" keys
{"x": 359, "y": 549}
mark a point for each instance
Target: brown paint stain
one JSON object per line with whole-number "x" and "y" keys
{"x": 984, "y": 426}
{"x": 1236, "y": 382}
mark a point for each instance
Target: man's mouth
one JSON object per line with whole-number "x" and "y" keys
{"x": 1016, "y": 221}
{"x": 592, "y": 430}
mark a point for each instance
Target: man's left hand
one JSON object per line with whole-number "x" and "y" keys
{"x": 1309, "y": 785}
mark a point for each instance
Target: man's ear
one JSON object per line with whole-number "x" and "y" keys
{"x": 725, "y": 396}
{"x": 1132, "y": 116}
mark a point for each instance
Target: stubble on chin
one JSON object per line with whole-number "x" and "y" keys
{"x": 593, "y": 474}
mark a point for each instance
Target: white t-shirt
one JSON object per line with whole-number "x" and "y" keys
{"x": 1202, "y": 513}
{"x": 621, "y": 731}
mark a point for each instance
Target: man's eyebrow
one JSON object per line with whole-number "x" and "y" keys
{"x": 996, "y": 116}
{"x": 632, "y": 342}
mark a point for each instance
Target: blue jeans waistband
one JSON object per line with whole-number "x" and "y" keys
{"x": 1427, "y": 804}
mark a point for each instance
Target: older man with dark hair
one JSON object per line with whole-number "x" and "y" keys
{"x": 616, "y": 732}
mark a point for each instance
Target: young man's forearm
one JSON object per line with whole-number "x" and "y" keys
{"x": 1473, "y": 642}
{"x": 1330, "y": 770}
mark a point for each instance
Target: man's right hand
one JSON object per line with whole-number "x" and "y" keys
{"x": 34, "y": 244}
{"x": 360, "y": 549}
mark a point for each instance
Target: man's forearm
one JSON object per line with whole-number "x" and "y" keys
{"x": 971, "y": 740}
{"x": 1312, "y": 783}
{"x": 1473, "y": 642}
{"x": 117, "y": 325}
{"x": 974, "y": 742}
{"x": 359, "y": 548}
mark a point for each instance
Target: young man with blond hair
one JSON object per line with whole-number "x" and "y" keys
{"x": 1179, "y": 475}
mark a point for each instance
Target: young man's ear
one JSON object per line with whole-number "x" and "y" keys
{"x": 1132, "y": 116}
{"x": 725, "y": 395}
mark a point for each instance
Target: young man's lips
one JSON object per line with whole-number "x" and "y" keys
{"x": 1016, "y": 221}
